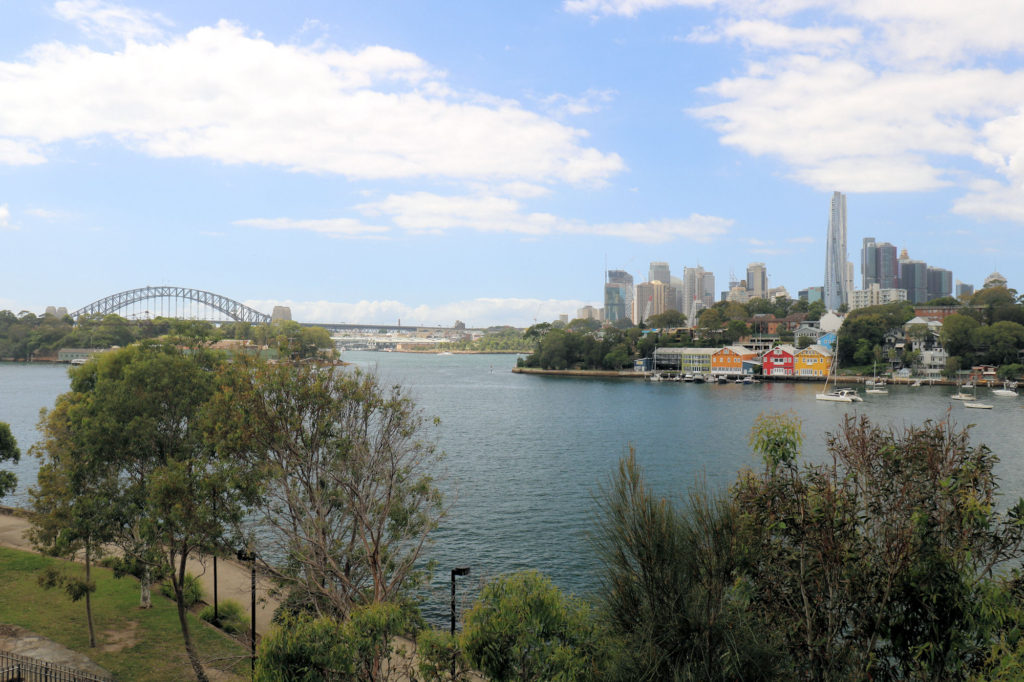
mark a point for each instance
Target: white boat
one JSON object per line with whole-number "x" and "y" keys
{"x": 876, "y": 385}
{"x": 1007, "y": 391}
{"x": 837, "y": 395}
{"x": 977, "y": 405}
{"x": 655, "y": 377}
{"x": 916, "y": 384}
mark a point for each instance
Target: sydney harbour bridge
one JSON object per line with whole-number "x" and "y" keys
{"x": 196, "y": 304}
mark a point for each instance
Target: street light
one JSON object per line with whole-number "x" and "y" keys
{"x": 247, "y": 554}
{"x": 462, "y": 571}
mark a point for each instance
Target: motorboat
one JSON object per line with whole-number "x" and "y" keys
{"x": 978, "y": 406}
{"x": 1007, "y": 391}
{"x": 840, "y": 395}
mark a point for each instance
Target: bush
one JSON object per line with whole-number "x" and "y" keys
{"x": 192, "y": 591}
{"x": 230, "y": 614}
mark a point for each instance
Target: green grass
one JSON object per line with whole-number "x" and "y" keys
{"x": 151, "y": 646}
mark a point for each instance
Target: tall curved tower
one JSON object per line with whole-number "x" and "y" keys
{"x": 835, "y": 254}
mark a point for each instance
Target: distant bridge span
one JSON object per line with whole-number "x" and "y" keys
{"x": 124, "y": 299}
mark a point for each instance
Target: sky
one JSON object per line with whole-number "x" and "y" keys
{"x": 428, "y": 161}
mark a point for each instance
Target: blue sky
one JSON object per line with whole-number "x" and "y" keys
{"x": 433, "y": 161}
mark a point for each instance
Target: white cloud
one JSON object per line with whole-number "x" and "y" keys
{"x": 332, "y": 227}
{"x": 99, "y": 19}
{"x": 5, "y": 218}
{"x": 425, "y": 212}
{"x": 47, "y": 214}
{"x": 478, "y": 312}
{"x": 774, "y": 35}
{"x": 589, "y": 102}
{"x": 627, "y": 8}
{"x": 223, "y": 94}
{"x": 19, "y": 153}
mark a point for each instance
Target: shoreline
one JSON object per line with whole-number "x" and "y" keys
{"x": 630, "y": 374}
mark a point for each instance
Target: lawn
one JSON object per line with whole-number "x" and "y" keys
{"x": 132, "y": 643}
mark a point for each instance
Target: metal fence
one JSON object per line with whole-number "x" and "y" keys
{"x": 15, "y": 668}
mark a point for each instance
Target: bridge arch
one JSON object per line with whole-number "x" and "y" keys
{"x": 124, "y": 299}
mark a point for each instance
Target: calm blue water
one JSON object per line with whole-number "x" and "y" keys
{"x": 527, "y": 454}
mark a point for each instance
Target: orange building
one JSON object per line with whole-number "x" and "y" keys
{"x": 729, "y": 360}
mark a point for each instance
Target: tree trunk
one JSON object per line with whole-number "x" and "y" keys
{"x": 145, "y": 597}
{"x": 88, "y": 594}
{"x": 179, "y": 597}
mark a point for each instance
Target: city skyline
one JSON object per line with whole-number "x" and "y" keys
{"x": 429, "y": 162}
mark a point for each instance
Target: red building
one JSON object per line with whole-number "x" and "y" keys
{"x": 779, "y": 361}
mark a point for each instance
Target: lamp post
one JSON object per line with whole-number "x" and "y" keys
{"x": 247, "y": 554}
{"x": 461, "y": 571}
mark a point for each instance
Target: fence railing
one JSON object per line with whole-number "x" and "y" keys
{"x": 17, "y": 668}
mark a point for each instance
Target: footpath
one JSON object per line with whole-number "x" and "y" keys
{"x": 234, "y": 579}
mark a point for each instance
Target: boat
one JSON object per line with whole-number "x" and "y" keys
{"x": 1009, "y": 390}
{"x": 688, "y": 378}
{"x": 837, "y": 395}
{"x": 876, "y": 385}
{"x": 916, "y": 384}
{"x": 656, "y": 376}
{"x": 976, "y": 405}
{"x": 962, "y": 395}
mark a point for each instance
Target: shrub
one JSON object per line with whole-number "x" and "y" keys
{"x": 230, "y": 614}
{"x": 192, "y": 590}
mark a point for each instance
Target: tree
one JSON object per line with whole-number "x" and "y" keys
{"x": 523, "y": 629}
{"x": 304, "y": 648}
{"x": 348, "y": 499}
{"x": 876, "y": 565}
{"x": 138, "y": 413}
{"x": 804, "y": 341}
{"x": 956, "y": 334}
{"x": 670, "y": 592}
{"x": 669, "y": 318}
{"x": 9, "y": 452}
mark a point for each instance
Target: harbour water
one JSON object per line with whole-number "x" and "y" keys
{"x": 526, "y": 455}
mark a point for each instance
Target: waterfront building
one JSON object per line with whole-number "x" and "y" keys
{"x": 940, "y": 283}
{"x": 696, "y": 360}
{"x": 875, "y": 295}
{"x": 757, "y": 280}
{"x": 78, "y": 354}
{"x": 836, "y": 270}
{"x": 618, "y": 296}
{"x": 813, "y": 361}
{"x": 729, "y": 360}
{"x": 779, "y": 361}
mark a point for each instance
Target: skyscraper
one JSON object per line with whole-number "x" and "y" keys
{"x": 914, "y": 278}
{"x": 835, "y": 254}
{"x": 618, "y": 296}
{"x": 659, "y": 272}
{"x": 878, "y": 264}
{"x": 698, "y": 291}
{"x": 940, "y": 283}
{"x": 757, "y": 280}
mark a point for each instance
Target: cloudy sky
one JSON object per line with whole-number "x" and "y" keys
{"x": 432, "y": 160}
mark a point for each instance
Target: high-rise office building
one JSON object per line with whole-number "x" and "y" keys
{"x": 964, "y": 290}
{"x": 698, "y": 292}
{"x": 757, "y": 280}
{"x": 659, "y": 272}
{"x": 651, "y": 299}
{"x": 913, "y": 277}
{"x": 940, "y": 283}
{"x": 709, "y": 289}
{"x": 835, "y": 254}
{"x": 618, "y": 296}
{"x": 878, "y": 264}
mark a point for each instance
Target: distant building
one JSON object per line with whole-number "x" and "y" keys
{"x": 698, "y": 292}
{"x": 875, "y": 295}
{"x": 812, "y": 294}
{"x": 878, "y": 264}
{"x": 913, "y": 277}
{"x": 281, "y": 313}
{"x": 964, "y": 290}
{"x": 589, "y": 312}
{"x": 940, "y": 283}
{"x": 563, "y": 318}
{"x": 994, "y": 280}
{"x": 651, "y": 299}
{"x": 836, "y": 270}
{"x": 659, "y": 272}
{"x": 618, "y": 296}
{"x": 757, "y": 280}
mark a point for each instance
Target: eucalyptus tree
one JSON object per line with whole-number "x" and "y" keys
{"x": 135, "y": 417}
{"x": 349, "y": 498}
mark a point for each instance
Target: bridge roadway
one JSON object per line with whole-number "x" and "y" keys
{"x": 335, "y": 327}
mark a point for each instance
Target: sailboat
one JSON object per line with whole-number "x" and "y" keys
{"x": 877, "y": 386}
{"x": 973, "y": 402}
{"x": 961, "y": 395}
{"x": 837, "y": 395}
